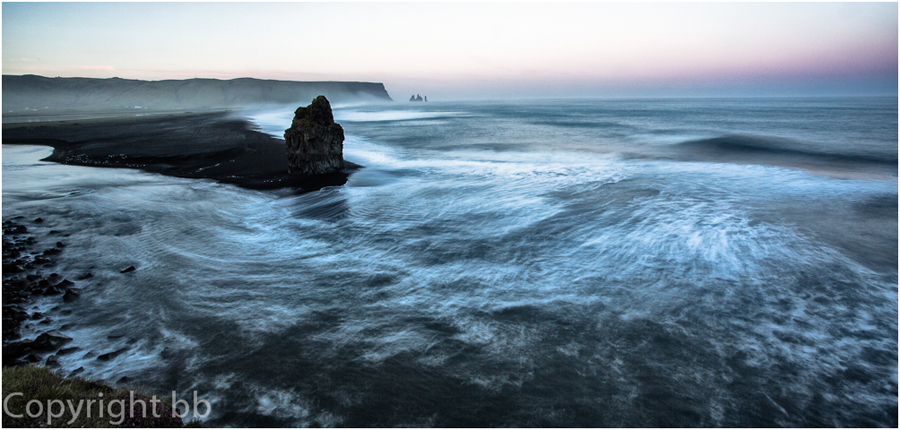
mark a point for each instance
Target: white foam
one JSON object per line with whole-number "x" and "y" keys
{"x": 389, "y": 115}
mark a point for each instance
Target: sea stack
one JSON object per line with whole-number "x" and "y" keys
{"x": 314, "y": 143}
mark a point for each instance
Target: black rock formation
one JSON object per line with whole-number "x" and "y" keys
{"x": 314, "y": 143}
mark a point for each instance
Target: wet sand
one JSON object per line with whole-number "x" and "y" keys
{"x": 213, "y": 145}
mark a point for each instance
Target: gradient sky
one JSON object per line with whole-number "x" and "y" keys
{"x": 455, "y": 50}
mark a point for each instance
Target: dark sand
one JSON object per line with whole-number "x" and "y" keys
{"x": 215, "y": 145}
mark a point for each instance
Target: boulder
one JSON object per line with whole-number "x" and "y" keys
{"x": 314, "y": 143}
{"x": 71, "y": 295}
{"x": 111, "y": 355}
{"x": 49, "y": 341}
{"x": 52, "y": 361}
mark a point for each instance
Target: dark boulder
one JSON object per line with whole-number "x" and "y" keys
{"x": 12, "y": 268}
{"x": 14, "y": 313}
{"x": 41, "y": 260}
{"x": 111, "y": 355}
{"x": 315, "y": 143}
{"x": 52, "y": 361}
{"x": 65, "y": 351}
{"x": 15, "y": 229}
{"x": 71, "y": 295}
{"x": 14, "y": 351}
{"x": 49, "y": 341}
{"x": 53, "y": 290}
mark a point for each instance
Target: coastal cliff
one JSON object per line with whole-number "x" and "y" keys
{"x": 32, "y": 94}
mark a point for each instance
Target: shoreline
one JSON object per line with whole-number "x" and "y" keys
{"x": 211, "y": 145}
{"x": 24, "y": 282}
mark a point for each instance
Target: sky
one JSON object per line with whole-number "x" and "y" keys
{"x": 473, "y": 50}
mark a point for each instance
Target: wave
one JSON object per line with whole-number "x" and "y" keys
{"x": 389, "y": 115}
{"x": 748, "y": 145}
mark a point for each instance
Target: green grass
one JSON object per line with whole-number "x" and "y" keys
{"x": 60, "y": 398}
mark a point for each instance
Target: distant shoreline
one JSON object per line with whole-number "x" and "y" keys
{"x": 32, "y": 94}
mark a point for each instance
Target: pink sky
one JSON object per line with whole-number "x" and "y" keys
{"x": 472, "y": 50}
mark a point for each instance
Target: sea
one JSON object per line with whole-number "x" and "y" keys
{"x": 587, "y": 263}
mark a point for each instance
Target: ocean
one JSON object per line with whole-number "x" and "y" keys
{"x": 590, "y": 263}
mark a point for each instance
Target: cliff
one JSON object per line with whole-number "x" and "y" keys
{"x": 67, "y": 95}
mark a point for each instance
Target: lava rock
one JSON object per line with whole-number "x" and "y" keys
{"x": 65, "y": 351}
{"x": 315, "y": 143}
{"x": 13, "y": 351}
{"x": 110, "y": 355}
{"x": 71, "y": 294}
{"x": 12, "y": 268}
{"x": 52, "y": 361}
{"x": 49, "y": 341}
{"x": 85, "y": 276}
{"x": 15, "y": 229}
{"x": 53, "y": 290}
{"x": 128, "y": 269}
{"x": 14, "y": 313}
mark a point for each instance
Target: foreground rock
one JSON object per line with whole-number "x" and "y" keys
{"x": 24, "y": 285}
{"x": 314, "y": 143}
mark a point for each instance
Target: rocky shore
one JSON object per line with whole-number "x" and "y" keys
{"x": 30, "y": 281}
{"x": 28, "y": 255}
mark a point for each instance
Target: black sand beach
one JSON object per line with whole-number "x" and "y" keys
{"x": 213, "y": 145}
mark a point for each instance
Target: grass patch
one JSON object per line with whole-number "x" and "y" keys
{"x": 77, "y": 402}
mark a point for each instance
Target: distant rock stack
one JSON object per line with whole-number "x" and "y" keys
{"x": 314, "y": 143}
